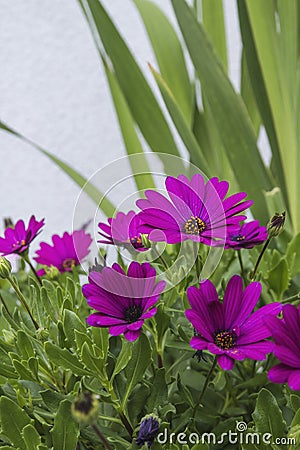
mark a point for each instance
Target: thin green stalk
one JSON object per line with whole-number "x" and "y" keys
{"x": 242, "y": 267}
{"x": 23, "y": 301}
{"x": 260, "y": 257}
{"x": 102, "y": 437}
{"x": 208, "y": 377}
{"x": 290, "y": 299}
{"x": 26, "y": 258}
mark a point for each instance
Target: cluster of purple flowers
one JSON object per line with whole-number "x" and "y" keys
{"x": 194, "y": 210}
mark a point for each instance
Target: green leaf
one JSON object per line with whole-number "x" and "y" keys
{"x": 63, "y": 358}
{"x": 71, "y": 322}
{"x": 96, "y": 364}
{"x": 169, "y": 55}
{"x": 227, "y": 108}
{"x": 281, "y": 94}
{"x": 24, "y": 344}
{"x": 13, "y": 420}
{"x": 268, "y": 416}
{"x": 140, "y": 98}
{"x": 51, "y": 399}
{"x": 31, "y": 437}
{"x": 139, "y": 164}
{"x": 159, "y": 390}
{"x": 295, "y": 402}
{"x": 213, "y": 21}
{"x": 123, "y": 358}
{"x": 261, "y": 96}
{"x": 278, "y": 278}
{"x": 293, "y": 255}
{"x": 135, "y": 370}
{"x": 65, "y": 431}
{"x": 107, "y": 207}
{"x": 181, "y": 124}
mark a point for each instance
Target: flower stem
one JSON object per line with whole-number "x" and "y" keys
{"x": 242, "y": 266}
{"x": 208, "y": 377}
{"x": 293, "y": 297}
{"x": 259, "y": 258}
{"x": 23, "y": 301}
{"x": 102, "y": 438}
{"x": 159, "y": 361}
{"x": 126, "y": 423}
{"x": 26, "y": 258}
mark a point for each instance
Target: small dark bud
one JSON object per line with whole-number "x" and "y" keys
{"x": 8, "y": 223}
{"x": 276, "y": 224}
{"x": 97, "y": 267}
{"x": 85, "y": 408}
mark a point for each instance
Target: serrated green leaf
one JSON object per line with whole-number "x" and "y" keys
{"x": 293, "y": 255}
{"x": 63, "y": 358}
{"x": 268, "y": 416}
{"x": 52, "y": 399}
{"x": 65, "y": 431}
{"x": 278, "y": 278}
{"x": 31, "y": 437}
{"x": 227, "y": 108}
{"x": 169, "y": 55}
{"x": 135, "y": 370}
{"x": 13, "y": 420}
{"x": 71, "y": 322}
{"x": 159, "y": 390}
{"x": 96, "y": 364}
{"x": 123, "y": 358}
{"x": 24, "y": 344}
{"x": 107, "y": 207}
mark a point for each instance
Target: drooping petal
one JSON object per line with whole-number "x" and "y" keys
{"x": 225, "y": 362}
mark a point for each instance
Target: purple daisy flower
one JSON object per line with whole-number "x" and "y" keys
{"x": 67, "y": 251}
{"x": 197, "y": 210}
{"x": 286, "y": 334}
{"x": 123, "y": 301}
{"x": 123, "y": 230}
{"x": 228, "y": 329}
{"x": 18, "y": 238}
{"x": 247, "y": 235}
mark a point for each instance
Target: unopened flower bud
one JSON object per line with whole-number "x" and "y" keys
{"x": 276, "y": 224}
{"x": 149, "y": 427}
{"x": 8, "y": 223}
{"x": 5, "y": 267}
{"x": 97, "y": 267}
{"x": 85, "y": 408}
{"x": 52, "y": 272}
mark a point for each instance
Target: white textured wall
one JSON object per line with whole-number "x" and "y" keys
{"x": 54, "y": 91}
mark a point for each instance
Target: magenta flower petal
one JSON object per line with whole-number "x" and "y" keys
{"x": 225, "y": 362}
{"x": 286, "y": 334}
{"x": 229, "y": 329}
{"x": 246, "y": 235}
{"x": 17, "y": 239}
{"x": 123, "y": 301}
{"x": 294, "y": 380}
{"x": 197, "y": 210}
{"x": 132, "y": 335}
{"x": 123, "y": 230}
{"x": 67, "y": 250}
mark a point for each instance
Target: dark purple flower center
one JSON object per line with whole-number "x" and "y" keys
{"x": 238, "y": 238}
{"x": 225, "y": 339}
{"x": 69, "y": 263}
{"x": 133, "y": 313}
{"x": 194, "y": 226}
{"x": 136, "y": 241}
